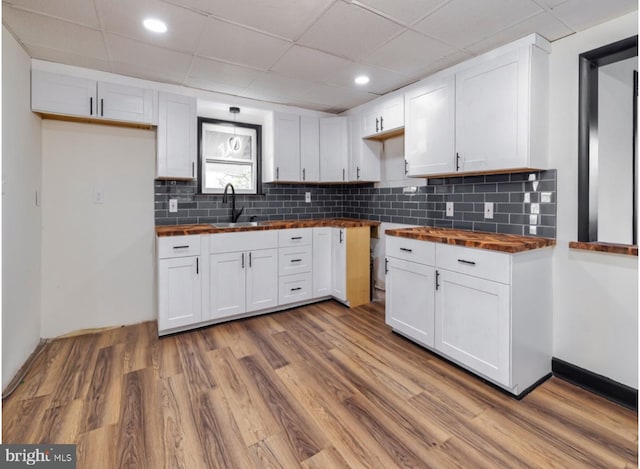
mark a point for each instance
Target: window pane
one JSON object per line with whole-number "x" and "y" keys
{"x": 223, "y": 143}
{"x": 219, "y": 175}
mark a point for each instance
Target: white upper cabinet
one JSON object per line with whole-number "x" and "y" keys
{"x": 429, "y": 137}
{"x": 177, "y": 129}
{"x": 364, "y": 161}
{"x": 286, "y": 147}
{"x": 62, "y": 94}
{"x": 80, "y": 97}
{"x": 309, "y": 149}
{"x": 334, "y": 149}
{"x": 487, "y": 114}
{"x": 386, "y": 116}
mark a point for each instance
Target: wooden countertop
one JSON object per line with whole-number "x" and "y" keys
{"x": 179, "y": 230}
{"x": 474, "y": 239}
{"x": 612, "y": 248}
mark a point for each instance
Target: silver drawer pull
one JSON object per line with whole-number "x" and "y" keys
{"x": 293, "y": 238}
{"x": 406, "y": 250}
{"x": 462, "y": 261}
{"x": 181, "y": 247}
{"x": 296, "y": 260}
{"x": 296, "y": 289}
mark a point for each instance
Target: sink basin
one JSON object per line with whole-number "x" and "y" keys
{"x": 239, "y": 224}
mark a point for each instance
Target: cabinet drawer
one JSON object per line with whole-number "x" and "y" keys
{"x": 490, "y": 265}
{"x": 178, "y": 246}
{"x": 422, "y": 252}
{"x": 295, "y": 237}
{"x": 293, "y": 288}
{"x": 294, "y": 260}
{"x": 243, "y": 241}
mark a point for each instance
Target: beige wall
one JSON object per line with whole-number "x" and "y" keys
{"x": 595, "y": 295}
{"x": 97, "y": 259}
{"x": 21, "y": 218}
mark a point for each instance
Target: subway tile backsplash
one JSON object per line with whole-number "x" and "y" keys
{"x": 426, "y": 206}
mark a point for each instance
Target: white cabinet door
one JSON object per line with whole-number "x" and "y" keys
{"x": 262, "y": 279}
{"x": 429, "y": 128}
{"x": 227, "y": 284}
{"x": 334, "y": 149}
{"x": 176, "y": 134}
{"x": 322, "y": 266}
{"x": 410, "y": 299}
{"x": 310, "y": 149}
{"x": 492, "y": 113}
{"x": 391, "y": 114}
{"x": 339, "y": 263}
{"x": 473, "y": 327}
{"x": 371, "y": 124}
{"x": 286, "y": 146}
{"x": 179, "y": 289}
{"x": 364, "y": 158}
{"x": 63, "y": 94}
{"x": 126, "y": 103}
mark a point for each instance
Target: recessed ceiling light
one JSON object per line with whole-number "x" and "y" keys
{"x": 361, "y": 80}
{"x": 155, "y": 25}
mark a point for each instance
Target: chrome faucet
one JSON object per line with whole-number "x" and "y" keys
{"x": 234, "y": 215}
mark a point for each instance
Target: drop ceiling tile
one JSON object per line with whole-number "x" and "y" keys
{"x": 63, "y": 57}
{"x": 381, "y": 80}
{"x": 441, "y": 63}
{"x": 550, "y": 3}
{"x": 336, "y": 96}
{"x": 125, "y": 17}
{"x": 145, "y": 61}
{"x": 309, "y": 64}
{"x": 210, "y": 85}
{"x": 543, "y": 23}
{"x": 408, "y": 53}
{"x": 406, "y": 11}
{"x": 286, "y": 18}
{"x": 78, "y": 11}
{"x": 582, "y": 14}
{"x": 44, "y": 31}
{"x": 272, "y": 84}
{"x": 349, "y": 31}
{"x": 220, "y": 72}
{"x": 242, "y": 46}
{"x": 465, "y": 22}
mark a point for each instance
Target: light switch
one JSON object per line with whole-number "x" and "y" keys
{"x": 449, "y": 209}
{"x": 173, "y": 205}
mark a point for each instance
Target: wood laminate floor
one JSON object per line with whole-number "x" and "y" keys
{"x": 316, "y": 387}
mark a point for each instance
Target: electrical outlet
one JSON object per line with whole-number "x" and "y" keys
{"x": 307, "y": 197}
{"x": 535, "y": 208}
{"x": 532, "y": 177}
{"x": 488, "y": 210}
{"x": 527, "y": 197}
{"x": 449, "y": 209}
{"x": 98, "y": 197}
{"x": 173, "y": 205}
{"x": 533, "y": 229}
{"x": 545, "y": 197}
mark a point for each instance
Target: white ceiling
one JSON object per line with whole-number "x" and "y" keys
{"x": 303, "y": 53}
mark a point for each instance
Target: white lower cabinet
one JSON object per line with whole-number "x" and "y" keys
{"x": 179, "y": 282}
{"x": 227, "y": 285}
{"x": 409, "y": 309}
{"x": 295, "y": 265}
{"x": 339, "y": 264}
{"x": 322, "y": 238}
{"x": 472, "y": 323}
{"x": 487, "y": 311}
{"x": 262, "y": 279}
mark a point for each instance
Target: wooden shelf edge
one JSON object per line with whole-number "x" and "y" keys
{"x": 611, "y": 248}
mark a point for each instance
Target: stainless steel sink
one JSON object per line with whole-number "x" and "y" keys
{"x": 239, "y": 224}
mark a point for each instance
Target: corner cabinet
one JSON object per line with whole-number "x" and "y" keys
{"x": 58, "y": 94}
{"x": 176, "y": 136}
{"x": 488, "y": 311}
{"x": 334, "y": 149}
{"x": 486, "y": 114}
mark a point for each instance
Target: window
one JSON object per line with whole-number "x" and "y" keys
{"x": 229, "y": 152}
